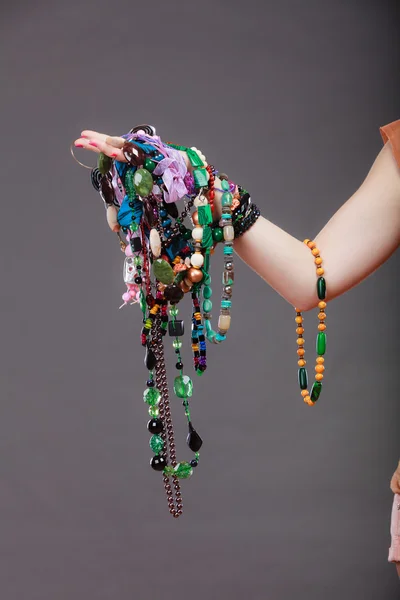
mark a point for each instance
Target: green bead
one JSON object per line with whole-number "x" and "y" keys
{"x": 321, "y": 288}
{"x": 163, "y": 271}
{"x": 104, "y": 163}
{"x": 207, "y": 292}
{"x": 134, "y": 226}
{"x": 183, "y": 386}
{"x": 316, "y": 390}
{"x": 156, "y": 443}
{"x": 150, "y": 165}
{"x": 168, "y": 471}
{"x": 183, "y": 470}
{"x": 154, "y": 411}
{"x": 225, "y": 184}
{"x": 152, "y": 396}
{"x": 226, "y": 199}
{"x": 218, "y": 234}
{"x": 143, "y": 182}
{"x": 207, "y": 240}
{"x": 177, "y": 344}
{"x": 204, "y": 215}
{"x": 303, "y": 379}
{"x": 137, "y": 261}
{"x": 174, "y": 311}
{"x": 194, "y": 158}
{"x": 187, "y": 234}
{"x": 200, "y": 178}
{"x": 207, "y": 306}
{"x": 321, "y": 343}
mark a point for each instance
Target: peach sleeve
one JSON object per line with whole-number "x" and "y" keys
{"x": 391, "y": 133}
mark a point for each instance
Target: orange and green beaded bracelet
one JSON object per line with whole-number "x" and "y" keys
{"x": 310, "y": 398}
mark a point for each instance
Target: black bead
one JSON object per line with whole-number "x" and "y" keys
{"x": 176, "y": 328}
{"x": 171, "y": 209}
{"x": 193, "y": 439}
{"x": 138, "y": 280}
{"x": 150, "y": 359}
{"x": 179, "y": 366}
{"x": 173, "y": 293}
{"x": 136, "y": 244}
{"x": 177, "y": 351}
{"x": 193, "y": 463}
{"x": 155, "y": 426}
{"x": 158, "y": 463}
{"x": 150, "y": 383}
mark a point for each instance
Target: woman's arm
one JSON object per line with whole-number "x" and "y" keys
{"x": 363, "y": 233}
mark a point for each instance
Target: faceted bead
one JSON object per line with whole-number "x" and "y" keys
{"x": 229, "y": 233}
{"x": 217, "y": 234}
{"x": 156, "y": 444}
{"x": 150, "y": 359}
{"x": 173, "y": 294}
{"x": 200, "y": 178}
{"x": 183, "y": 470}
{"x": 150, "y": 165}
{"x": 143, "y": 182}
{"x": 174, "y": 311}
{"x": 171, "y": 209}
{"x": 152, "y": 396}
{"x": 150, "y": 383}
{"x": 107, "y": 190}
{"x": 158, "y": 463}
{"x": 321, "y": 288}
{"x": 163, "y": 271}
{"x": 155, "y": 426}
{"x": 133, "y": 154}
{"x": 303, "y": 379}
{"x": 193, "y": 439}
{"x": 316, "y": 391}
{"x": 177, "y": 344}
{"x": 226, "y": 199}
{"x": 207, "y": 292}
{"x": 207, "y": 306}
{"x": 183, "y": 386}
{"x": 224, "y": 322}
{"x": 104, "y": 163}
{"x": 176, "y": 328}
{"x": 321, "y": 343}
{"x": 154, "y": 411}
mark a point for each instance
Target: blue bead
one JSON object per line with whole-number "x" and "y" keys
{"x": 163, "y": 212}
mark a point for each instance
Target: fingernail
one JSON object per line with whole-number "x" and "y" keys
{"x": 114, "y": 155}
{"x": 93, "y": 144}
{"x": 78, "y": 145}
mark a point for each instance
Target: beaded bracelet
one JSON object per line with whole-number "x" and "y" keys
{"x": 311, "y": 398}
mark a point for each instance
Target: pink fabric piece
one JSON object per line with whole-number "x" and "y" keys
{"x": 394, "y": 552}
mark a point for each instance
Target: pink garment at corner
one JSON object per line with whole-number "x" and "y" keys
{"x": 394, "y": 552}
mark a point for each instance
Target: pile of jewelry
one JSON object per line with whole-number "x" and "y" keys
{"x": 167, "y": 257}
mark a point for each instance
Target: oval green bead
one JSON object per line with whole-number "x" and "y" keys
{"x": 104, "y": 163}
{"x": 303, "y": 378}
{"x": 207, "y": 306}
{"x": 150, "y": 165}
{"x": 316, "y": 391}
{"x": 225, "y": 184}
{"x": 156, "y": 443}
{"x": 321, "y": 343}
{"x": 226, "y": 199}
{"x": 207, "y": 292}
{"x": 152, "y": 396}
{"x": 142, "y": 182}
{"x": 183, "y": 470}
{"x": 183, "y": 386}
{"x": 218, "y": 234}
{"x": 321, "y": 288}
{"x": 163, "y": 271}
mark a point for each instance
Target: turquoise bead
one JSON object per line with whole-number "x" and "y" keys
{"x": 200, "y": 178}
{"x": 225, "y": 184}
{"x": 207, "y": 292}
{"x": 226, "y": 199}
{"x": 207, "y": 306}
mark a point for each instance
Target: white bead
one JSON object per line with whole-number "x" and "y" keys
{"x": 130, "y": 271}
{"x": 200, "y": 201}
{"x": 197, "y": 260}
{"x": 224, "y": 322}
{"x": 112, "y": 219}
{"x": 197, "y": 233}
{"x": 229, "y": 233}
{"x": 155, "y": 243}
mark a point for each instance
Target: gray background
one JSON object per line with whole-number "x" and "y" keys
{"x": 288, "y": 502}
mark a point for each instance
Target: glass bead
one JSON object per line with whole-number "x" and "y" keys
{"x": 150, "y": 165}
{"x": 321, "y": 288}
{"x": 156, "y": 444}
{"x": 155, "y": 426}
{"x": 183, "y": 386}
{"x": 194, "y": 158}
{"x": 193, "y": 439}
{"x": 173, "y": 311}
{"x": 228, "y": 278}
{"x": 177, "y": 344}
{"x": 143, "y": 182}
{"x": 152, "y": 396}
{"x": 158, "y": 463}
{"x": 137, "y": 261}
{"x": 176, "y": 328}
{"x": 200, "y": 178}
{"x": 183, "y": 470}
{"x": 104, "y": 163}
{"x": 154, "y": 411}
{"x": 321, "y": 343}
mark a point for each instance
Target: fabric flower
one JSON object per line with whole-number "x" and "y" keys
{"x": 173, "y": 171}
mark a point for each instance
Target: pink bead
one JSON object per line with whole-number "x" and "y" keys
{"x": 126, "y": 297}
{"x": 128, "y": 250}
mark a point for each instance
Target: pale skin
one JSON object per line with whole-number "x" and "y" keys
{"x": 366, "y": 228}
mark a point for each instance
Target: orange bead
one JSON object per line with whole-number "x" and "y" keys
{"x": 322, "y": 304}
{"x": 320, "y": 271}
{"x": 302, "y": 362}
{"x": 300, "y": 341}
{"x": 321, "y": 316}
{"x": 305, "y": 393}
{"x": 307, "y": 400}
{"x": 319, "y": 377}
{"x": 320, "y": 360}
{"x": 321, "y": 327}
{"x": 301, "y": 351}
{"x": 299, "y": 320}
{"x": 315, "y": 251}
{"x": 300, "y": 330}
{"x": 318, "y": 261}
{"x": 320, "y": 368}
{"x": 306, "y": 241}
{"x": 311, "y": 245}
{"x": 195, "y": 218}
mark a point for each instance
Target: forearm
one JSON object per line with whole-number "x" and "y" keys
{"x": 363, "y": 233}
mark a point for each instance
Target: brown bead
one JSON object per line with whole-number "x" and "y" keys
{"x": 195, "y": 217}
{"x": 184, "y": 287}
{"x": 194, "y": 275}
{"x": 133, "y": 154}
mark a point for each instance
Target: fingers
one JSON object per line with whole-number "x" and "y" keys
{"x": 98, "y": 142}
{"x": 395, "y": 484}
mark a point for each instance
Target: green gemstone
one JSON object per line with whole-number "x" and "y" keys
{"x": 316, "y": 390}
{"x": 129, "y": 186}
{"x": 207, "y": 240}
{"x": 152, "y": 396}
{"x": 187, "y": 234}
{"x": 104, "y": 163}
{"x": 168, "y": 471}
{"x": 321, "y": 288}
{"x": 194, "y": 158}
{"x": 143, "y": 182}
{"x": 174, "y": 311}
{"x": 183, "y": 386}
{"x": 226, "y": 199}
{"x": 163, "y": 271}
{"x": 207, "y": 292}
{"x": 225, "y": 184}
{"x": 154, "y": 411}
{"x": 156, "y": 444}
{"x": 204, "y": 214}
{"x": 150, "y": 165}
{"x": 177, "y": 344}
{"x": 134, "y": 226}
{"x": 183, "y": 470}
{"x": 218, "y": 234}
{"x": 303, "y": 379}
{"x": 200, "y": 178}
{"x": 207, "y": 306}
{"x": 321, "y": 343}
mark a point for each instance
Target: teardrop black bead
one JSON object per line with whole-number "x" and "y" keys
{"x": 155, "y": 426}
{"x": 150, "y": 359}
{"x": 193, "y": 439}
{"x": 158, "y": 463}
{"x": 107, "y": 190}
{"x": 171, "y": 209}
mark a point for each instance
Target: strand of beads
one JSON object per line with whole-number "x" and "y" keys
{"x": 311, "y": 398}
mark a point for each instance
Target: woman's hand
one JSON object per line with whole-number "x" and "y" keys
{"x": 395, "y": 483}
{"x": 100, "y": 142}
